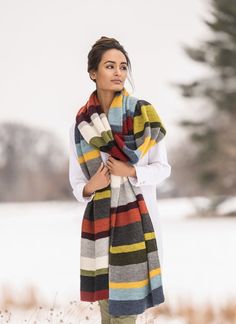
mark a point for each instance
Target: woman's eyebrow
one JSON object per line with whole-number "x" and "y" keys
{"x": 115, "y": 62}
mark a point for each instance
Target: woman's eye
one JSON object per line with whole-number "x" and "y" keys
{"x": 124, "y": 67}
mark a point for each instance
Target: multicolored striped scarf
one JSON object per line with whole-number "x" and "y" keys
{"x": 119, "y": 258}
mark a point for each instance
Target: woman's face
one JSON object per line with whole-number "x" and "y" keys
{"x": 113, "y": 66}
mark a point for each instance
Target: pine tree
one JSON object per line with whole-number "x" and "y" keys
{"x": 215, "y": 135}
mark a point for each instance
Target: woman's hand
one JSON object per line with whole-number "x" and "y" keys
{"x": 120, "y": 168}
{"x": 102, "y": 178}
{"x": 99, "y": 180}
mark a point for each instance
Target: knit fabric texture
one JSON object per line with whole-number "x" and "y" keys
{"x": 119, "y": 258}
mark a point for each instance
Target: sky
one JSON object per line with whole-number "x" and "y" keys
{"x": 44, "y": 47}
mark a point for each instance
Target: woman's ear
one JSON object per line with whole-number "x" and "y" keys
{"x": 92, "y": 75}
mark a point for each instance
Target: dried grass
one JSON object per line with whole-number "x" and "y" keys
{"x": 31, "y": 309}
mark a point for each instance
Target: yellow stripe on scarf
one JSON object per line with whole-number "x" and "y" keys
{"x": 148, "y": 114}
{"x": 100, "y": 195}
{"x": 155, "y": 272}
{"x": 128, "y": 248}
{"x": 133, "y": 247}
{"x": 147, "y": 144}
{"x": 149, "y": 236}
{"x": 89, "y": 156}
{"x": 118, "y": 100}
{"x": 134, "y": 284}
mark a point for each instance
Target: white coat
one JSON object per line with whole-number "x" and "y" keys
{"x": 151, "y": 170}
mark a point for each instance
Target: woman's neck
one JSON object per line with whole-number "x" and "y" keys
{"x": 105, "y": 98}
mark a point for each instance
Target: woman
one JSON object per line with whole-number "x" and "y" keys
{"x": 117, "y": 158}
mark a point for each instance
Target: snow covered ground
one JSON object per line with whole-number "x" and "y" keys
{"x": 39, "y": 245}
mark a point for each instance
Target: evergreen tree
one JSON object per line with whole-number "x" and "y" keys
{"x": 215, "y": 135}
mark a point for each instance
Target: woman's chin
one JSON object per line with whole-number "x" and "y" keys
{"x": 114, "y": 87}
{"x": 118, "y": 87}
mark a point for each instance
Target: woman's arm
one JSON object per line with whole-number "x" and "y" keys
{"x": 157, "y": 170}
{"x": 76, "y": 175}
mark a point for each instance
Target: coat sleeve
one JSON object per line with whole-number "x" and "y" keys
{"x": 157, "y": 170}
{"x": 76, "y": 176}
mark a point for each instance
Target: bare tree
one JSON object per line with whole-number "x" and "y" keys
{"x": 33, "y": 165}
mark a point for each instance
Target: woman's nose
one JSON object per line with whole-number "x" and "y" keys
{"x": 118, "y": 71}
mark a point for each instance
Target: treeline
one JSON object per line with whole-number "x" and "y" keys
{"x": 33, "y": 166}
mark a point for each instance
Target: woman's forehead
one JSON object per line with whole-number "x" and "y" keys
{"x": 114, "y": 56}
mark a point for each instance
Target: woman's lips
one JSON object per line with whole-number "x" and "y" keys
{"x": 116, "y": 81}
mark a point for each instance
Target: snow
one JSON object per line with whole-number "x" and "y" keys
{"x": 227, "y": 207}
{"x": 40, "y": 244}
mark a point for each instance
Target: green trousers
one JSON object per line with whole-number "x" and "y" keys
{"x": 111, "y": 319}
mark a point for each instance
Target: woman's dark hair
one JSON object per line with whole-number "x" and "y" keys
{"x": 99, "y": 48}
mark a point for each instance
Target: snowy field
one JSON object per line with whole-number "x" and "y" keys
{"x": 39, "y": 246}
